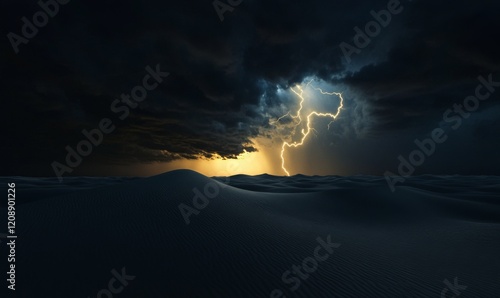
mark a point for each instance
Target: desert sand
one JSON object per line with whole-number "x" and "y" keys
{"x": 252, "y": 230}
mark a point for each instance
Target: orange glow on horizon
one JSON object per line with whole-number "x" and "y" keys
{"x": 248, "y": 163}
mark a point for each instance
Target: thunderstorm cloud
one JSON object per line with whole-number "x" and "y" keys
{"x": 226, "y": 77}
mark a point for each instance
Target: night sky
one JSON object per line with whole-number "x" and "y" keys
{"x": 229, "y": 81}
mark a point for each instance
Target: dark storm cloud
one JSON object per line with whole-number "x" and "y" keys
{"x": 435, "y": 63}
{"x": 66, "y": 77}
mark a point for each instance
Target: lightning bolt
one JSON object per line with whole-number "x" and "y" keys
{"x": 299, "y": 91}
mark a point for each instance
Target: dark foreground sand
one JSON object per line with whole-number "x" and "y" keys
{"x": 384, "y": 244}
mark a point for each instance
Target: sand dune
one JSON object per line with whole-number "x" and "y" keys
{"x": 402, "y": 244}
